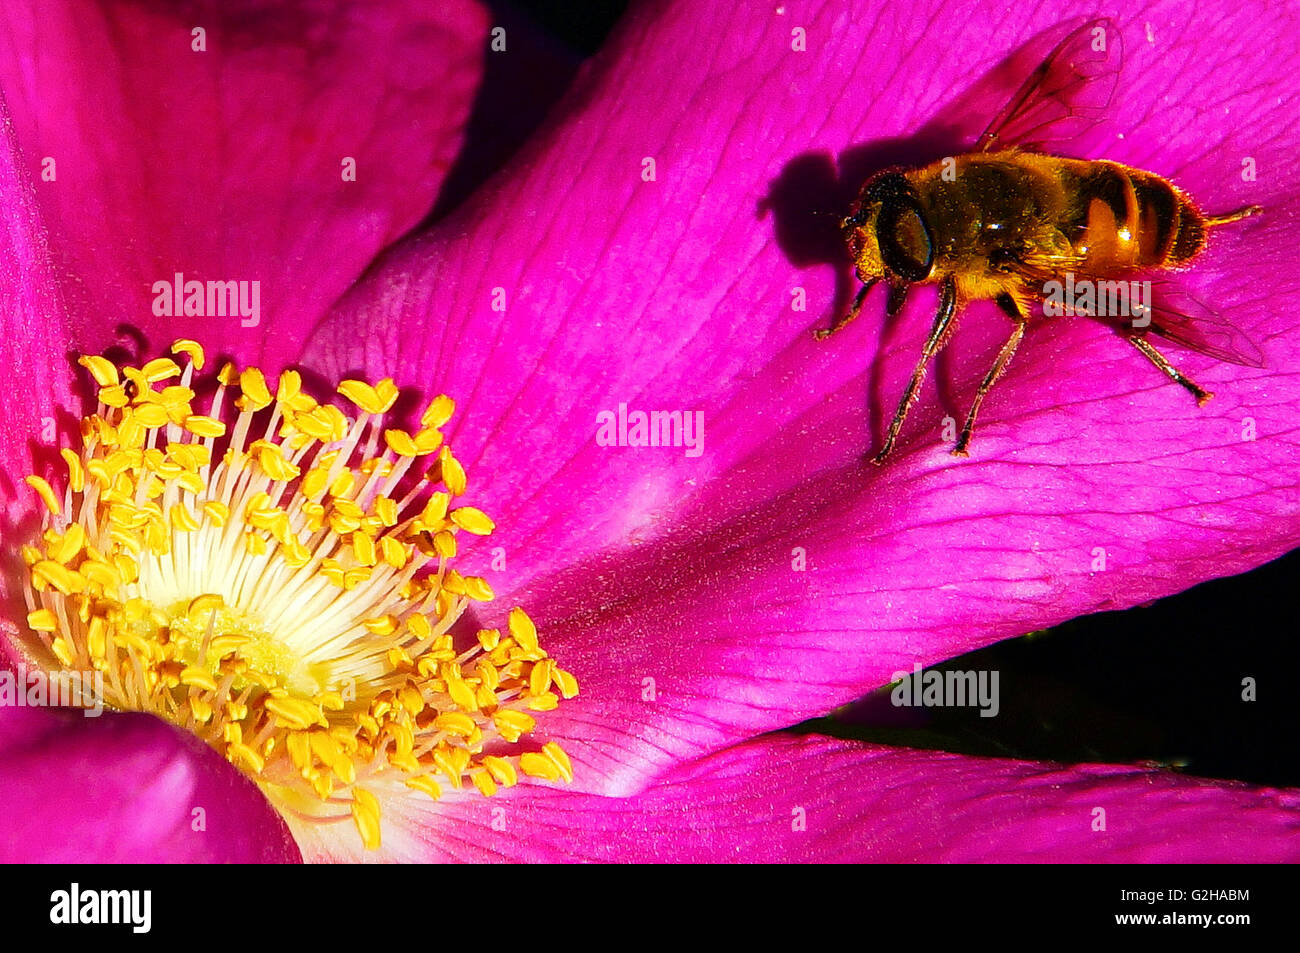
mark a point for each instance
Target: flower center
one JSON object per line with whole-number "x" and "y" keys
{"x": 269, "y": 579}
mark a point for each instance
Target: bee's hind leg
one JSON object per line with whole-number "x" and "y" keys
{"x": 962, "y": 449}
{"x": 1173, "y": 373}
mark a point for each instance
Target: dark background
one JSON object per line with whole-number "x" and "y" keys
{"x": 1160, "y": 684}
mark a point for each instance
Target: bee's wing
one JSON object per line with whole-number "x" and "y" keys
{"x": 1175, "y": 314}
{"x": 1178, "y": 316}
{"x": 1065, "y": 96}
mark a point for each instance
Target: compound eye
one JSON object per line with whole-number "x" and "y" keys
{"x": 905, "y": 242}
{"x": 913, "y": 240}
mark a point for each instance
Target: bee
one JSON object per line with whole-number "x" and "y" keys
{"x": 1005, "y": 221}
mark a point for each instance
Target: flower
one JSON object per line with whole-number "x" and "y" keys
{"x": 288, "y": 598}
{"x": 673, "y": 292}
{"x": 668, "y": 582}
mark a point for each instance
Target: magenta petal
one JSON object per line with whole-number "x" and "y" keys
{"x": 33, "y": 346}
{"x": 34, "y": 386}
{"x": 783, "y": 798}
{"x": 1094, "y": 482}
{"x": 227, "y": 164}
{"x": 126, "y": 788}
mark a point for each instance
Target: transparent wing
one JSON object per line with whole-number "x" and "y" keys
{"x": 1181, "y": 318}
{"x": 1065, "y": 96}
{"x": 1178, "y": 316}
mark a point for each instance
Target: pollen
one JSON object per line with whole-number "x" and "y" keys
{"x": 274, "y": 575}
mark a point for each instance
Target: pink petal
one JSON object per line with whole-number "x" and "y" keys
{"x": 676, "y": 294}
{"x": 126, "y": 788}
{"x": 227, "y": 164}
{"x": 35, "y": 392}
{"x": 33, "y": 345}
{"x": 860, "y": 803}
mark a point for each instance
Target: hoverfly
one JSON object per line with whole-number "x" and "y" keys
{"x": 1004, "y": 221}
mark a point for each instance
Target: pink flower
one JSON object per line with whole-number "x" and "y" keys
{"x": 585, "y": 278}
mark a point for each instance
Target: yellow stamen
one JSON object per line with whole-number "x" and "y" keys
{"x": 191, "y": 349}
{"x": 246, "y": 571}
{"x": 45, "y": 492}
{"x": 101, "y": 369}
{"x": 43, "y": 620}
{"x": 439, "y": 412}
{"x": 472, "y": 520}
{"x": 365, "y": 811}
{"x": 453, "y": 474}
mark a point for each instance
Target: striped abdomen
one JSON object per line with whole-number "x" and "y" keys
{"x": 1124, "y": 218}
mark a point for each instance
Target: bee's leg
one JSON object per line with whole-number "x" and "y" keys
{"x": 822, "y": 334}
{"x": 1173, "y": 373}
{"x": 999, "y": 365}
{"x": 938, "y": 335}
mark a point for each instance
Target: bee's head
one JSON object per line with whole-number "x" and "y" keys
{"x": 887, "y": 233}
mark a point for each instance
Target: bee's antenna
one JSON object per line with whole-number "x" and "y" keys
{"x": 856, "y": 218}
